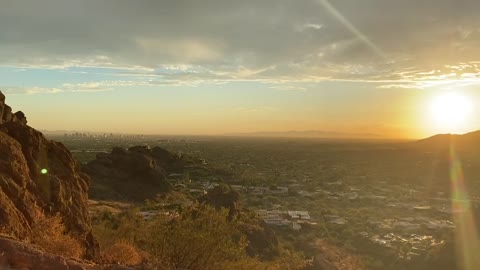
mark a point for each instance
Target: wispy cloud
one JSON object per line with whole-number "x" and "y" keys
{"x": 461, "y": 75}
{"x": 30, "y": 90}
{"x": 309, "y": 26}
{"x": 100, "y": 86}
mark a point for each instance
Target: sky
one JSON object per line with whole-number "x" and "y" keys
{"x": 223, "y": 66}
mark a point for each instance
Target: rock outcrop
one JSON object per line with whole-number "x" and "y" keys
{"x": 20, "y": 117}
{"x": 134, "y": 174}
{"x": 40, "y": 177}
{"x": 15, "y": 255}
{"x": 6, "y": 115}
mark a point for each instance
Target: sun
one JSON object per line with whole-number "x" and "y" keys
{"x": 451, "y": 112}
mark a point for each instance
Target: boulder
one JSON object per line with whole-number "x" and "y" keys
{"x": 6, "y": 113}
{"x": 20, "y": 118}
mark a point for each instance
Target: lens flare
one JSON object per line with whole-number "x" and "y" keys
{"x": 354, "y": 30}
{"x": 44, "y": 171}
{"x": 466, "y": 236}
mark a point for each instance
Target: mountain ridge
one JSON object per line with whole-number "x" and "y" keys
{"x": 462, "y": 141}
{"x": 325, "y": 134}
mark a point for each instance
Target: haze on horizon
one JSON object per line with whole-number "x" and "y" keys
{"x": 216, "y": 67}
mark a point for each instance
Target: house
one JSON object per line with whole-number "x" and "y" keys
{"x": 237, "y": 188}
{"x": 302, "y": 215}
{"x": 296, "y": 226}
{"x": 273, "y": 217}
{"x": 293, "y": 214}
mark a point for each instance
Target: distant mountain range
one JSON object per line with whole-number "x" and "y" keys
{"x": 327, "y": 134}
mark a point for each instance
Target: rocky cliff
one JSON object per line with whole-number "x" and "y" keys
{"x": 40, "y": 177}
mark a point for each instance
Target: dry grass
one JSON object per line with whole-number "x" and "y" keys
{"x": 49, "y": 233}
{"x": 122, "y": 252}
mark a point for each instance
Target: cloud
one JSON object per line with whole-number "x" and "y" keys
{"x": 30, "y": 90}
{"x": 462, "y": 75}
{"x": 308, "y": 26}
{"x": 215, "y": 40}
{"x": 100, "y": 86}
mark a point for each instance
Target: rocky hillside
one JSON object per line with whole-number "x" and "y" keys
{"x": 133, "y": 174}
{"x": 39, "y": 178}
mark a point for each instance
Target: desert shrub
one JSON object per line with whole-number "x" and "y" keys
{"x": 339, "y": 257}
{"x": 121, "y": 252}
{"x": 287, "y": 261}
{"x": 111, "y": 227}
{"x": 200, "y": 238}
{"x": 49, "y": 233}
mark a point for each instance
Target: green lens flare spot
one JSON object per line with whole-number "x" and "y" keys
{"x": 44, "y": 171}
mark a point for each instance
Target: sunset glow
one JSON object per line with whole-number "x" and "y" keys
{"x": 217, "y": 68}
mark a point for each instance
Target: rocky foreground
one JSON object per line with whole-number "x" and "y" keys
{"x": 38, "y": 178}
{"x": 16, "y": 255}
